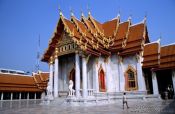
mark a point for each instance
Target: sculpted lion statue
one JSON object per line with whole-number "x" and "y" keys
{"x": 71, "y": 90}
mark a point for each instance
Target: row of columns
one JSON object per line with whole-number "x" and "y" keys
{"x": 54, "y": 74}
{"x": 53, "y": 77}
{"x": 11, "y": 96}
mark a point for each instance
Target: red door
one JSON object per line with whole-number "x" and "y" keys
{"x": 102, "y": 85}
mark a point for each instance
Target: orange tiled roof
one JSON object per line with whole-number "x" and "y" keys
{"x": 14, "y": 82}
{"x": 167, "y": 56}
{"x": 159, "y": 57}
{"x": 151, "y": 55}
{"x": 112, "y": 25}
{"x": 134, "y": 40}
{"x": 98, "y": 39}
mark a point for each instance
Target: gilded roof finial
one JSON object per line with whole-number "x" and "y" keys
{"x": 89, "y": 13}
{"x": 71, "y": 12}
{"x": 60, "y": 12}
{"x": 145, "y": 17}
{"x": 119, "y": 12}
{"x": 130, "y": 17}
{"x": 160, "y": 37}
{"x": 82, "y": 15}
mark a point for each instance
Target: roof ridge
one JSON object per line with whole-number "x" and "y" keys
{"x": 168, "y": 44}
{"x": 137, "y": 24}
{"x": 157, "y": 41}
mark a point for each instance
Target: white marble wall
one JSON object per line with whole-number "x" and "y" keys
{"x": 90, "y": 72}
{"x": 130, "y": 60}
{"x": 110, "y": 67}
{"x": 126, "y": 61}
{"x": 113, "y": 69}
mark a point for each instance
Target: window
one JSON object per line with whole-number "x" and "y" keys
{"x": 69, "y": 46}
{"x": 130, "y": 79}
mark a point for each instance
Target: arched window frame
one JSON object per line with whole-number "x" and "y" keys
{"x": 127, "y": 81}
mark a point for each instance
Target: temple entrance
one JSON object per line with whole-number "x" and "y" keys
{"x": 102, "y": 86}
{"x": 164, "y": 79}
{"x": 72, "y": 77}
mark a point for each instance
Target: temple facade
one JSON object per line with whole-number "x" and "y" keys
{"x": 106, "y": 58}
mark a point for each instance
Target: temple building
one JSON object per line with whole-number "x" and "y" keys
{"x": 106, "y": 58}
{"x": 17, "y": 85}
{"x": 91, "y": 61}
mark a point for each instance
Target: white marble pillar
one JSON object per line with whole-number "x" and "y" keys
{"x": 173, "y": 79}
{"x": 121, "y": 76}
{"x": 140, "y": 77}
{"x": 19, "y": 95}
{"x": 35, "y": 96}
{"x": 107, "y": 76}
{"x": 77, "y": 75}
{"x": 11, "y": 96}
{"x": 96, "y": 79}
{"x": 56, "y": 77}
{"x": 2, "y": 96}
{"x": 84, "y": 70}
{"x": 28, "y": 96}
{"x": 155, "y": 84}
{"x": 50, "y": 83}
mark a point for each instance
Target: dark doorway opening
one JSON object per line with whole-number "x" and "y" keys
{"x": 148, "y": 80}
{"x": 7, "y": 95}
{"x": 165, "y": 84}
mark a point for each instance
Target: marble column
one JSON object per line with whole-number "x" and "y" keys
{"x": 140, "y": 77}
{"x": 84, "y": 70}
{"x": 50, "y": 83}
{"x": 11, "y": 96}
{"x": 35, "y": 96}
{"x": 28, "y": 96}
{"x": 121, "y": 75}
{"x": 96, "y": 80}
{"x": 56, "y": 77}
{"x": 19, "y": 95}
{"x": 173, "y": 79}
{"x": 107, "y": 77}
{"x": 77, "y": 75}
{"x": 155, "y": 84}
{"x": 2, "y": 96}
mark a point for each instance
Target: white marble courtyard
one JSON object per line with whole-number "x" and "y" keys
{"x": 136, "y": 107}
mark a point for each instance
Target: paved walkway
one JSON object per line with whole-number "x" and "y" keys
{"x": 136, "y": 107}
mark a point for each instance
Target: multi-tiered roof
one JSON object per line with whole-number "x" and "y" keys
{"x": 159, "y": 57}
{"x": 97, "y": 38}
{"x": 23, "y": 83}
{"x": 114, "y": 36}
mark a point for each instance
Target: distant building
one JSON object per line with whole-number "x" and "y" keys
{"x": 12, "y": 71}
{"x": 106, "y": 58}
{"x": 15, "y": 84}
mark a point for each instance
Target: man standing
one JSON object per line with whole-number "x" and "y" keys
{"x": 125, "y": 100}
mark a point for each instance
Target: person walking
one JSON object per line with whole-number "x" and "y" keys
{"x": 125, "y": 100}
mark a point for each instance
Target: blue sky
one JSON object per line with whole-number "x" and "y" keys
{"x": 22, "y": 21}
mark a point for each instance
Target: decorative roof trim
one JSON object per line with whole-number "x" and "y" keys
{"x": 168, "y": 44}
